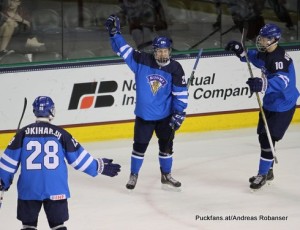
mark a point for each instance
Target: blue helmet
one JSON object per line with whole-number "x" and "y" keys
{"x": 162, "y": 43}
{"x": 270, "y": 31}
{"x": 43, "y": 106}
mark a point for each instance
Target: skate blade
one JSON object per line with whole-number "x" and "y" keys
{"x": 167, "y": 187}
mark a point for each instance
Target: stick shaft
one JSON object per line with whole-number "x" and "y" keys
{"x": 1, "y": 198}
{"x": 258, "y": 99}
{"x": 18, "y": 128}
{"x": 188, "y": 85}
{"x": 23, "y": 112}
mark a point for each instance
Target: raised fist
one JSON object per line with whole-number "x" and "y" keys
{"x": 235, "y": 47}
{"x": 112, "y": 25}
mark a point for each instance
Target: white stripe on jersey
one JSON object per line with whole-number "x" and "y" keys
{"x": 9, "y": 160}
{"x": 79, "y": 159}
{"x": 285, "y": 79}
{"x": 123, "y": 48}
{"x": 86, "y": 164}
{"x": 183, "y": 100}
{"x": 127, "y": 53}
{"x": 183, "y": 93}
{"x": 6, "y": 168}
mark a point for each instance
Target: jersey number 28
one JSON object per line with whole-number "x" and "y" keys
{"x": 50, "y": 160}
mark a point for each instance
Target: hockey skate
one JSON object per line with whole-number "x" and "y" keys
{"x": 166, "y": 178}
{"x": 259, "y": 181}
{"x": 270, "y": 176}
{"x": 132, "y": 181}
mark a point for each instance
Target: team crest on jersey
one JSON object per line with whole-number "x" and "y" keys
{"x": 156, "y": 82}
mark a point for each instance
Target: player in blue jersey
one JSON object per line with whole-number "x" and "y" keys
{"x": 161, "y": 99}
{"x": 278, "y": 83}
{"x": 42, "y": 150}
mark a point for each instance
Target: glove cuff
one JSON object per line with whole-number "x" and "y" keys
{"x": 100, "y": 165}
{"x": 243, "y": 54}
{"x": 114, "y": 33}
{"x": 264, "y": 84}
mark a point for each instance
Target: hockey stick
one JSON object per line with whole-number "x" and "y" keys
{"x": 1, "y": 198}
{"x": 18, "y": 128}
{"x": 23, "y": 112}
{"x": 194, "y": 68}
{"x": 188, "y": 86}
{"x": 244, "y": 34}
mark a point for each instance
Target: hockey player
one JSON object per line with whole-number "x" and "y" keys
{"x": 161, "y": 100}
{"x": 41, "y": 149}
{"x": 278, "y": 83}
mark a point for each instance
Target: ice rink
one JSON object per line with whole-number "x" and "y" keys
{"x": 213, "y": 167}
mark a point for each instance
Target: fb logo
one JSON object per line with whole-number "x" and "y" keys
{"x": 90, "y": 94}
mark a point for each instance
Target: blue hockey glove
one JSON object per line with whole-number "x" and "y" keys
{"x": 257, "y": 84}
{"x": 176, "y": 120}
{"x": 112, "y": 25}
{"x": 235, "y": 47}
{"x": 107, "y": 168}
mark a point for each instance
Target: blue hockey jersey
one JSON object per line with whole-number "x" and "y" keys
{"x": 42, "y": 150}
{"x": 277, "y": 66}
{"x": 160, "y": 91}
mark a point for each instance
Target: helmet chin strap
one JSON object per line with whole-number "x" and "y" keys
{"x": 271, "y": 44}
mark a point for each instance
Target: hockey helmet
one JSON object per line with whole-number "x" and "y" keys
{"x": 271, "y": 32}
{"x": 43, "y": 106}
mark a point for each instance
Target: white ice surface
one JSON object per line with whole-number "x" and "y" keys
{"x": 213, "y": 167}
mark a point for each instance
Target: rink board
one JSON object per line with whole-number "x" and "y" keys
{"x": 191, "y": 124}
{"x": 95, "y": 101}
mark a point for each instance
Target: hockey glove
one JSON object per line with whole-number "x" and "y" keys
{"x": 2, "y": 186}
{"x": 112, "y": 25}
{"x": 257, "y": 84}
{"x": 176, "y": 120}
{"x": 107, "y": 168}
{"x": 235, "y": 47}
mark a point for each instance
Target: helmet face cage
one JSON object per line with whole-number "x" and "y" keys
{"x": 162, "y": 43}
{"x": 43, "y": 106}
{"x": 271, "y": 33}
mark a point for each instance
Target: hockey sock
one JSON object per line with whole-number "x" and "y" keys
{"x": 266, "y": 155}
{"x": 136, "y": 162}
{"x": 264, "y": 166}
{"x": 165, "y": 161}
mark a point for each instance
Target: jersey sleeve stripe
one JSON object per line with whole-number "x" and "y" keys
{"x": 183, "y": 93}
{"x": 9, "y": 160}
{"x": 183, "y": 100}
{"x": 123, "y": 48}
{"x": 285, "y": 79}
{"x": 6, "y": 168}
{"x": 79, "y": 159}
{"x": 86, "y": 164}
{"x": 127, "y": 53}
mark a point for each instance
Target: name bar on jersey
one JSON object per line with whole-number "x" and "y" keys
{"x": 42, "y": 131}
